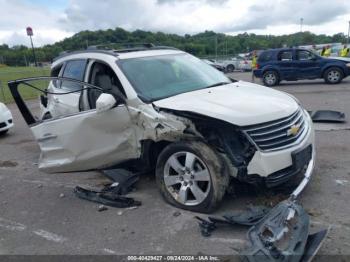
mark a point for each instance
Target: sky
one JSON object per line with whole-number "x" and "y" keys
{"x": 55, "y": 20}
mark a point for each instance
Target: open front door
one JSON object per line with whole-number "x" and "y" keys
{"x": 82, "y": 141}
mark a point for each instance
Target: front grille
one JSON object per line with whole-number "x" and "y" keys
{"x": 2, "y": 125}
{"x": 277, "y": 134}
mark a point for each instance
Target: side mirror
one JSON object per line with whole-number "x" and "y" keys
{"x": 105, "y": 102}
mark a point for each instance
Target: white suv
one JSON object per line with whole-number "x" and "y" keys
{"x": 162, "y": 109}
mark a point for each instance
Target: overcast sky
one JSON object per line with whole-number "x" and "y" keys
{"x": 53, "y": 20}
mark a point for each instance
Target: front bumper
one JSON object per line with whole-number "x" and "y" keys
{"x": 277, "y": 167}
{"x": 6, "y": 121}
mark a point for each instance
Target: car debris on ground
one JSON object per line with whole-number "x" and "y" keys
{"x": 327, "y": 116}
{"x": 112, "y": 194}
{"x": 277, "y": 234}
{"x": 102, "y": 208}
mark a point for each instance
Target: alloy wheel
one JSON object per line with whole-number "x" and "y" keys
{"x": 333, "y": 76}
{"x": 187, "y": 178}
{"x": 270, "y": 79}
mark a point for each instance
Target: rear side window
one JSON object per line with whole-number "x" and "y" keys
{"x": 265, "y": 57}
{"x": 285, "y": 56}
{"x": 74, "y": 69}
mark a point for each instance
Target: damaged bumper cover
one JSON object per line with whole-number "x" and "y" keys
{"x": 283, "y": 235}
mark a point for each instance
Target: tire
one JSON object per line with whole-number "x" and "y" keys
{"x": 230, "y": 68}
{"x": 333, "y": 75}
{"x": 270, "y": 78}
{"x": 3, "y": 132}
{"x": 180, "y": 188}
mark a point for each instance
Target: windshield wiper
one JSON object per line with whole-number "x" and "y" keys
{"x": 217, "y": 84}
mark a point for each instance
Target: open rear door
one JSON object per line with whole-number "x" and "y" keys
{"x": 82, "y": 141}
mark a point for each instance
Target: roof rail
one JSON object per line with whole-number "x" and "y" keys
{"x": 128, "y": 47}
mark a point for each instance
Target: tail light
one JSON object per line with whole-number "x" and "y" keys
{"x": 245, "y": 62}
{"x": 257, "y": 66}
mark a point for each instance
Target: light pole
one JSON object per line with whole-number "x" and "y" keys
{"x": 301, "y": 24}
{"x": 30, "y": 34}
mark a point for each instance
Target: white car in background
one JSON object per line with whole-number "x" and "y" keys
{"x": 159, "y": 108}
{"x": 237, "y": 63}
{"x": 6, "y": 121}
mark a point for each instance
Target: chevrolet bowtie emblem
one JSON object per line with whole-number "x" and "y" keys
{"x": 293, "y": 131}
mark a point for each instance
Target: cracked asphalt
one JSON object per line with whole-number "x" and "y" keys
{"x": 39, "y": 214}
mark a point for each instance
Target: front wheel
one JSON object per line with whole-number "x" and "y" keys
{"x": 190, "y": 175}
{"x": 333, "y": 75}
{"x": 3, "y": 132}
{"x": 270, "y": 78}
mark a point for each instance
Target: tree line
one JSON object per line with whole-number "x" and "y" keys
{"x": 203, "y": 44}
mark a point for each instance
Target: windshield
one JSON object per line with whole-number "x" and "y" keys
{"x": 158, "y": 77}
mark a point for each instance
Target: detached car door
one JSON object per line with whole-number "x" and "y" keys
{"x": 82, "y": 141}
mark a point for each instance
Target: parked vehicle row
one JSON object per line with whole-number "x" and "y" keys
{"x": 159, "y": 108}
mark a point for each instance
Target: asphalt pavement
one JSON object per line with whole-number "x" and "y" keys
{"x": 39, "y": 213}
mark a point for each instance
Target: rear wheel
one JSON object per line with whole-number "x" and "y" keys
{"x": 230, "y": 68}
{"x": 190, "y": 175}
{"x": 270, "y": 78}
{"x": 333, "y": 75}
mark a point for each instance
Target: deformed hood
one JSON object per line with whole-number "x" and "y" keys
{"x": 239, "y": 103}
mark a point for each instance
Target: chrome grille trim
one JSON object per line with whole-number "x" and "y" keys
{"x": 271, "y": 123}
{"x": 273, "y": 135}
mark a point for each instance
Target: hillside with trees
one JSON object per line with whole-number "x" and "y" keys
{"x": 204, "y": 44}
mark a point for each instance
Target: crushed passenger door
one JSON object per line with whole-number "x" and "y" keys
{"x": 82, "y": 141}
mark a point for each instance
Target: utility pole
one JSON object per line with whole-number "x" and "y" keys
{"x": 30, "y": 34}
{"x": 301, "y": 24}
{"x": 349, "y": 33}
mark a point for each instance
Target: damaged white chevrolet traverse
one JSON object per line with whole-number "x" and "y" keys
{"x": 159, "y": 108}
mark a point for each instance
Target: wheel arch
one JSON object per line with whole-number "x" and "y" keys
{"x": 330, "y": 66}
{"x": 272, "y": 69}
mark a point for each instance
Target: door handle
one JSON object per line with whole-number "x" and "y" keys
{"x": 46, "y": 137}
{"x": 57, "y": 100}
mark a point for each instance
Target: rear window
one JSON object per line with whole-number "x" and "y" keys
{"x": 74, "y": 69}
{"x": 265, "y": 56}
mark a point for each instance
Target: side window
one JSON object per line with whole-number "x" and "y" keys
{"x": 285, "y": 56}
{"x": 304, "y": 55}
{"x": 74, "y": 69}
{"x": 264, "y": 57}
{"x": 103, "y": 76}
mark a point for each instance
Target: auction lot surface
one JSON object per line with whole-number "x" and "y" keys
{"x": 39, "y": 214}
